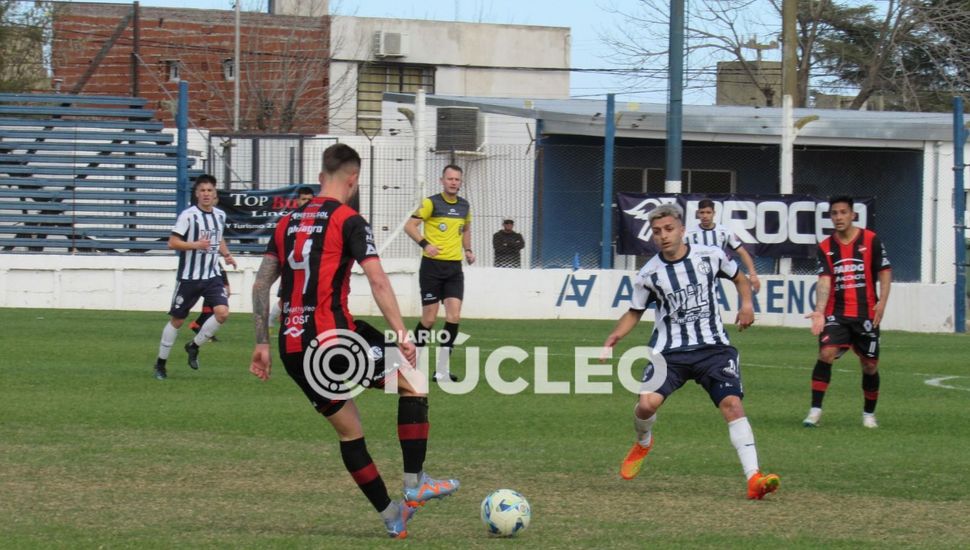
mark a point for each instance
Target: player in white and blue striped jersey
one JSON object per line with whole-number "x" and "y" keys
{"x": 706, "y": 232}
{"x": 198, "y": 238}
{"x": 681, "y": 281}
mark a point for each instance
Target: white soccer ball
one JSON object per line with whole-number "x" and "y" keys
{"x": 506, "y": 512}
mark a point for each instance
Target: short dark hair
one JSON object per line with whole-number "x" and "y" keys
{"x": 304, "y": 190}
{"x": 841, "y": 198}
{"x": 338, "y": 156}
{"x": 204, "y": 178}
{"x": 705, "y": 203}
{"x": 508, "y": 220}
{"x": 454, "y": 167}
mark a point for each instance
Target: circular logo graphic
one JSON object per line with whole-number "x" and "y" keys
{"x": 339, "y": 364}
{"x": 442, "y": 227}
{"x": 704, "y": 268}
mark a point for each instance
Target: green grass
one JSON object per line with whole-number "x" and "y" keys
{"x": 96, "y": 453}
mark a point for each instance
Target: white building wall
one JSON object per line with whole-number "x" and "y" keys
{"x": 501, "y": 55}
{"x": 146, "y": 284}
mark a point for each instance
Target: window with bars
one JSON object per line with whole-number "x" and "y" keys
{"x": 651, "y": 180}
{"x": 373, "y": 79}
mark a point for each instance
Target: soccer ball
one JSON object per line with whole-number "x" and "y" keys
{"x": 505, "y": 512}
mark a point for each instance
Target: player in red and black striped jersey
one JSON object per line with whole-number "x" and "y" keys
{"x": 848, "y": 310}
{"x": 321, "y": 344}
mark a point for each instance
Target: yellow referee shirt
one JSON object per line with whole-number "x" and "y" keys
{"x": 444, "y": 224}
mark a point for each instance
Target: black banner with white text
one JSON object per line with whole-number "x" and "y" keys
{"x": 775, "y": 226}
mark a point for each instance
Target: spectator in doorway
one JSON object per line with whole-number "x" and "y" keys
{"x": 508, "y": 245}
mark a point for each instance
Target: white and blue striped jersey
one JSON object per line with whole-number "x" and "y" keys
{"x": 684, "y": 292}
{"x": 718, "y": 236}
{"x": 194, "y": 224}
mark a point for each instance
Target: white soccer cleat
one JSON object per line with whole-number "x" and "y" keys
{"x": 869, "y": 420}
{"x": 814, "y": 415}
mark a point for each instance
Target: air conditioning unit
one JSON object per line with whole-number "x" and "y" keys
{"x": 390, "y": 44}
{"x": 458, "y": 129}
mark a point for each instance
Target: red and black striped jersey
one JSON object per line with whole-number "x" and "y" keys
{"x": 853, "y": 268}
{"x": 317, "y": 246}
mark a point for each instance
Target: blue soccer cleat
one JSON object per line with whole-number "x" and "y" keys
{"x": 397, "y": 528}
{"x": 428, "y": 489}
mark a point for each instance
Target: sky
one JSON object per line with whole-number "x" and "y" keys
{"x": 587, "y": 19}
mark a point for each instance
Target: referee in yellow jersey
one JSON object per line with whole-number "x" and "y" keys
{"x": 446, "y": 240}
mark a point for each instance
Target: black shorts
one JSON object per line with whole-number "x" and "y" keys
{"x": 856, "y": 333}
{"x": 338, "y": 369}
{"x": 440, "y": 279}
{"x": 187, "y": 293}
{"x": 717, "y": 369}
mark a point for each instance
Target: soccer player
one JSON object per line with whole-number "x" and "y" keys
{"x": 304, "y": 196}
{"x": 313, "y": 249}
{"x": 688, "y": 333}
{"x": 708, "y": 233}
{"x": 198, "y": 238}
{"x": 446, "y": 240}
{"x": 848, "y": 309}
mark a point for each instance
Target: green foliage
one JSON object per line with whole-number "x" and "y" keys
{"x": 96, "y": 453}
{"x": 24, "y": 39}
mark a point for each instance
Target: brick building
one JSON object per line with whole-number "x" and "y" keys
{"x": 284, "y": 63}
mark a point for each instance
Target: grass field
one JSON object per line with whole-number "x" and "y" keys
{"x": 96, "y": 453}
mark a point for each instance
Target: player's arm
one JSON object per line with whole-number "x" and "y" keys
{"x": 177, "y": 242}
{"x": 749, "y": 267}
{"x": 745, "y": 316}
{"x": 413, "y": 228}
{"x": 466, "y": 242}
{"x": 822, "y": 291}
{"x": 226, "y": 255}
{"x": 269, "y": 271}
{"x": 380, "y": 286}
{"x": 624, "y": 325}
{"x": 885, "y": 282}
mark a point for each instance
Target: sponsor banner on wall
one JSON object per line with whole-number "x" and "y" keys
{"x": 254, "y": 213}
{"x": 775, "y": 226}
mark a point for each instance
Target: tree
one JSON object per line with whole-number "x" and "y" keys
{"x": 912, "y": 52}
{"x": 24, "y": 34}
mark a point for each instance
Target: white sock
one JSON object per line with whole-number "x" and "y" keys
{"x": 210, "y": 327}
{"x": 169, "y": 335}
{"x": 392, "y": 511}
{"x": 643, "y": 427}
{"x": 443, "y": 364}
{"x": 743, "y": 440}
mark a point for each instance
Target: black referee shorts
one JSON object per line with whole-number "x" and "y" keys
{"x": 440, "y": 279}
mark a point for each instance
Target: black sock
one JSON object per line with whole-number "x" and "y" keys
{"x": 451, "y": 329}
{"x": 160, "y": 362}
{"x": 412, "y": 431}
{"x": 870, "y": 391}
{"x": 362, "y": 469}
{"x": 422, "y": 334}
{"x": 821, "y": 376}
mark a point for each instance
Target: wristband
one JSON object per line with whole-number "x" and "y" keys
{"x": 423, "y": 243}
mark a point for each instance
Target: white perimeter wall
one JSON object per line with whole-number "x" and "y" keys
{"x": 146, "y": 284}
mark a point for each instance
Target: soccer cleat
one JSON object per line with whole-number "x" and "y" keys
{"x": 160, "y": 372}
{"x": 397, "y": 528}
{"x": 634, "y": 460}
{"x": 193, "y": 350}
{"x": 428, "y": 489}
{"x": 869, "y": 420}
{"x": 760, "y": 485}
{"x": 814, "y": 415}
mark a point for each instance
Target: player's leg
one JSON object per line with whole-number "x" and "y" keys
{"x": 644, "y": 416}
{"x": 353, "y": 450}
{"x": 412, "y": 429}
{"x": 720, "y": 374}
{"x": 865, "y": 342}
{"x": 832, "y": 343}
{"x": 185, "y": 296}
{"x": 215, "y": 293}
{"x": 430, "y": 285}
{"x": 453, "y": 292}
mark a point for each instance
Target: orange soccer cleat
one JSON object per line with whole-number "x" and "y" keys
{"x": 634, "y": 460}
{"x": 760, "y": 485}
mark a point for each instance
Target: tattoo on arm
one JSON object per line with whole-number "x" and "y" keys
{"x": 822, "y": 294}
{"x": 269, "y": 270}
